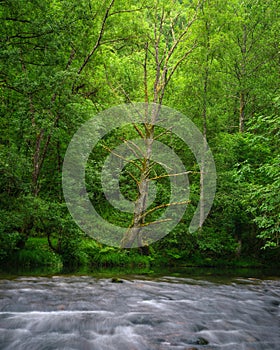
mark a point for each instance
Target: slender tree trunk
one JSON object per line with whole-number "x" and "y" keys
{"x": 242, "y": 95}
{"x": 201, "y": 184}
{"x": 204, "y": 121}
{"x": 134, "y": 232}
{"x": 36, "y": 164}
{"x": 242, "y": 101}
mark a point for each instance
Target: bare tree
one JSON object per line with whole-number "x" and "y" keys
{"x": 164, "y": 51}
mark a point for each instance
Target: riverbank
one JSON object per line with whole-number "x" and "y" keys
{"x": 92, "y": 257}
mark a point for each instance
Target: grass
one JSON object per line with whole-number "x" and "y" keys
{"x": 90, "y": 254}
{"x": 37, "y": 253}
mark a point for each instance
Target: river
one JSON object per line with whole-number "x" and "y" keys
{"x": 87, "y": 312}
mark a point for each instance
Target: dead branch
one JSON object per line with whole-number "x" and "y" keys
{"x": 133, "y": 177}
{"x": 155, "y": 222}
{"x": 173, "y": 175}
{"x": 121, "y": 157}
{"x": 127, "y": 142}
{"x": 163, "y": 206}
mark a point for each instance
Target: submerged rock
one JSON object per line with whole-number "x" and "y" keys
{"x": 202, "y": 341}
{"x": 116, "y": 280}
{"x": 198, "y": 341}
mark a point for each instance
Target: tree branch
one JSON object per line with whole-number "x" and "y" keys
{"x": 128, "y": 11}
{"x": 98, "y": 41}
{"x": 121, "y": 157}
{"x": 173, "y": 175}
{"x": 165, "y": 205}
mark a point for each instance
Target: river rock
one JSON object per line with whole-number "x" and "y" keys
{"x": 116, "y": 280}
{"x": 198, "y": 341}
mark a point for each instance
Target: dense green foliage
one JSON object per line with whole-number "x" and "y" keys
{"x": 62, "y": 62}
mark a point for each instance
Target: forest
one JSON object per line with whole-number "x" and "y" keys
{"x": 65, "y": 62}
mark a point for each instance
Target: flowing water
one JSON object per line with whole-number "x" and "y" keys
{"x": 86, "y": 312}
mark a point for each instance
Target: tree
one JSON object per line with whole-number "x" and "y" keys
{"x": 252, "y": 56}
{"x": 164, "y": 51}
{"x": 262, "y": 197}
{"x": 42, "y": 54}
